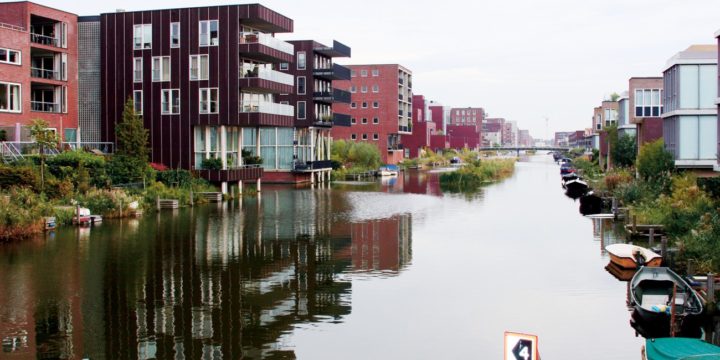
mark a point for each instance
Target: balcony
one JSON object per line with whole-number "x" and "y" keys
{"x": 334, "y": 96}
{"x": 265, "y": 114}
{"x": 401, "y": 81}
{"x": 48, "y": 74}
{"x": 265, "y": 107}
{"x": 400, "y": 97}
{"x": 243, "y": 173}
{"x": 265, "y": 47}
{"x": 336, "y": 72}
{"x": 47, "y": 107}
{"x": 396, "y": 147}
{"x": 44, "y": 40}
{"x": 266, "y": 80}
{"x": 310, "y": 166}
{"x": 341, "y": 119}
{"x": 337, "y": 50}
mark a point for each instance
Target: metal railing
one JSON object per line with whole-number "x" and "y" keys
{"x": 254, "y": 71}
{"x": 267, "y": 40}
{"x": 20, "y": 148}
{"x": 312, "y": 165}
{"x": 41, "y": 106}
{"x": 9, "y": 153}
{"x": 104, "y": 147}
{"x": 44, "y": 73}
{"x": 228, "y": 167}
{"x": 44, "y": 40}
{"x": 266, "y": 107}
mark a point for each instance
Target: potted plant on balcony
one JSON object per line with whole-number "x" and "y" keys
{"x": 250, "y": 159}
{"x": 212, "y": 164}
{"x": 326, "y": 118}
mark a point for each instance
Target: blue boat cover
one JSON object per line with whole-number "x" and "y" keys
{"x": 680, "y": 349}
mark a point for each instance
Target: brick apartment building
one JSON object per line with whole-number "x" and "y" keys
{"x": 562, "y": 138}
{"x": 524, "y": 138}
{"x": 423, "y": 127}
{"x": 492, "y": 132}
{"x": 380, "y": 110}
{"x": 206, "y": 81}
{"x": 314, "y": 72}
{"x": 38, "y": 70}
{"x": 645, "y": 106}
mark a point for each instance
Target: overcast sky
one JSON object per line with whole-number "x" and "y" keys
{"x": 524, "y": 60}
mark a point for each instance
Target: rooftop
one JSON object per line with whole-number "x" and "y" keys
{"x": 695, "y": 54}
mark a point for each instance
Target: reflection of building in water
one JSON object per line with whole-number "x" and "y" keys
{"x": 422, "y": 182}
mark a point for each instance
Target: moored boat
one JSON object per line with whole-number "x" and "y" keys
{"x": 632, "y": 256}
{"x": 679, "y": 348}
{"x": 388, "y": 170}
{"x": 576, "y": 185}
{"x": 658, "y": 295}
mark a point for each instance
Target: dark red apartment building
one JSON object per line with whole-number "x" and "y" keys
{"x": 314, "y": 72}
{"x": 206, "y": 82}
{"x": 423, "y": 127}
{"x": 380, "y": 109}
{"x": 38, "y": 70}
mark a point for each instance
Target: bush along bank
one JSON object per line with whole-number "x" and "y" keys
{"x": 476, "y": 173}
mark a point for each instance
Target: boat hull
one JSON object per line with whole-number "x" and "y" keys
{"x": 629, "y": 263}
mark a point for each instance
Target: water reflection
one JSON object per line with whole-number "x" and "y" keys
{"x": 210, "y": 282}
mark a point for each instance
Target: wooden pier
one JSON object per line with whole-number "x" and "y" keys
{"x": 167, "y": 204}
{"x": 213, "y": 197}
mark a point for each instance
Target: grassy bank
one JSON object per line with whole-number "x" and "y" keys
{"x": 477, "y": 173}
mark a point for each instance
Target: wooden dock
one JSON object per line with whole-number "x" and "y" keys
{"x": 213, "y": 197}
{"x": 167, "y": 204}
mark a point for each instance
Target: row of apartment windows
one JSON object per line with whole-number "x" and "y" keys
{"x": 364, "y": 89}
{"x": 365, "y": 120}
{"x": 364, "y": 105}
{"x": 365, "y": 136}
{"x": 300, "y": 60}
{"x": 199, "y": 68}
{"x": 53, "y": 100}
{"x": 208, "y": 34}
{"x": 9, "y": 56}
{"x": 364, "y": 73}
{"x": 648, "y": 102}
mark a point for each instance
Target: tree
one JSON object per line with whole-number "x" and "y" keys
{"x": 130, "y": 162}
{"x": 623, "y": 153}
{"x": 44, "y": 139}
{"x": 654, "y": 161}
{"x": 614, "y": 96}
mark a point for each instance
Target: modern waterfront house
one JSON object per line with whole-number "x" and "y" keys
{"x": 314, "y": 72}
{"x": 38, "y": 70}
{"x": 690, "y": 114}
{"x": 380, "y": 110}
{"x": 644, "y": 108}
{"x": 206, "y": 82}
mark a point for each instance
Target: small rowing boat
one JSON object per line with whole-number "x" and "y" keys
{"x": 632, "y": 256}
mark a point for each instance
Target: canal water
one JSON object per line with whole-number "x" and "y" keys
{"x": 389, "y": 270}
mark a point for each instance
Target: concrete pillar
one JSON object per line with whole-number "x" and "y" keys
{"x": 240, "y": 187}
{"x": 257, "y": 142}
{"x": 223, "y": 149}
{"x": 312, "y": 178}
{"x": 224, "y": 187}
{"x": 258, "y": 186}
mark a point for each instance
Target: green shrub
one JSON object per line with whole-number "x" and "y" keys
{"x": 212, "y": 164}
{"x": 252, "y": 160}
{"x": 58, "y": 189}
{"x": 21, "y": 213}
{"x": 177, "y": 177}
{"x": 654, "y": 161}
{"x": 22, "y": 176}
{"x": 66, "y": 165}
{"x": 476, "y": 173}
{"x": 108, "y": 203}
{"x": 360, "y": 155}
{"x": 124, "y": 169}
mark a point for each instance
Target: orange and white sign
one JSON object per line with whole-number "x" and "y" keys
{"x": 520, "y": 346}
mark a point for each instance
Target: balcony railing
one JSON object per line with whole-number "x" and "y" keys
{"x": 312, "y": 165}
{"x": 45, "y": 73}
{"x": 250, "y": 71}
{"x": 341, "y": 119}
{"x": 44, "y": 40}
{"x": 267, "y": 40}
{"x": 334, "y": 72}
{"x": 104, "y": 147}
{"x": 44, "y": 106}
{"x": 265, "y": 107}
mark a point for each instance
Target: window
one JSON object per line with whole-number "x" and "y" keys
{"x": 353, "y": 136}
{"x": 364, "y": 120}
{"x": 375, "y": 73}
{"x": 199, "y": 67}
{"x": 301, "y": 85}
{"x": 170, "y": 101}
{"x": 209, "y": 33}
{"x": 363, "y": 73}
{"x": 376, "y": 104}
{"x": 137, "y": 69}
{"x": 376, "y": 120}
{"x": 376, "y": 136}
{"x": 138, "y": 101}
{"x": 175, "y": 35}
{"x": 10, "y": 97}
{"x": 160, "y": 68}
{"x": 301, "y": 110}
{"x": 376, "y": 89}
{"x": 364, "y": 104}
{"x": 209, "y": 101}
{"x": 353, "y": 73}
{"x": 353, "y": 105}
{"x": 353, "y": 121}
{"x": 142, "y": 36}
{"x": 284, "y": 66}
{"x": 8, "y": 56}
{"x": 353, "y": 89}
{"x": 363, "y": 89}
{"x": 364, "y": 137}
{"x": 647, "y": 102}
{"x": 301, "y": 61}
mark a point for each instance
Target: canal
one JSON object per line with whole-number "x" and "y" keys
{"x": 397, "y": 269}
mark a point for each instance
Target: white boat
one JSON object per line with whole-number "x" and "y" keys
{"x": 632, "y": 256}
{"x": 388, "y": 170}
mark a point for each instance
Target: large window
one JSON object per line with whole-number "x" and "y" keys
{"x": 142, "y": 36}
{"x": 8, "y": 56}
{"x": 209, "y": 35}
{"x": 137, "y": 69}
{"x": 199, "y": 67}
{"x": 647, "y": 102}
{"x": 276, "y": 148}
{"x": 697, "y": 137}
{"x": 138, "y": 101}
{"x": 174, "y": 34}
{"x": 170, "y": 101}
{"x": 301, "y": 85}
{"x": 10, "y": 97}
{"x": 698, "y": 86}
{"x": 301, "y": 60}
{"x": 209, "y": 101}
{"x": 161, "y": 68}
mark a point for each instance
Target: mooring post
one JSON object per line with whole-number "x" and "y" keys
{"x": 614, "y": 208}
{"x": 652, "y": 236}
{"x": 663, "y": 249}
{"x": 710, "y": 288}
{"x": 157, "y": 203}
{"x": 634, "y": 228}
{"x": 691, "y": 267}
{"x": 192, "y": 198}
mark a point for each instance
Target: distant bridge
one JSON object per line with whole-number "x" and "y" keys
{"x": 525, "y": 148}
